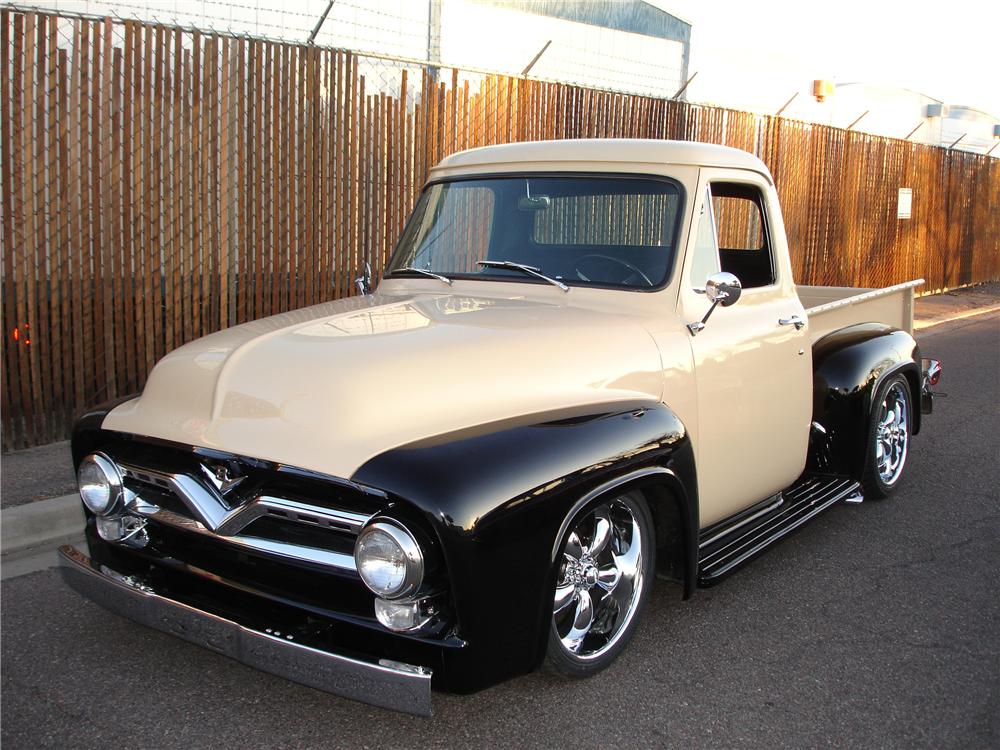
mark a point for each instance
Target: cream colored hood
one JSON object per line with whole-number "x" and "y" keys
{"x": 328, "y": 387}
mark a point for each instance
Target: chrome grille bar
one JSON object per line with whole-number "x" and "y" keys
{"x": 328, "y": 558}
{"x": 211, "y": 516}
{"x": 296, "y": 511}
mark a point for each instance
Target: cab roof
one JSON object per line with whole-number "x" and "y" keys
{"x": 517, "y": 156}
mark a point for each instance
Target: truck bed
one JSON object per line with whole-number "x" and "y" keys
{"x": 832, "y": 307}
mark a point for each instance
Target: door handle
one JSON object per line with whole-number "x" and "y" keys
{"x": 795, "y": 320}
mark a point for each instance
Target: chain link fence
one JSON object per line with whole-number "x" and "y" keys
{"x": 501, "y": 36}
{"x": 159, "y": 183}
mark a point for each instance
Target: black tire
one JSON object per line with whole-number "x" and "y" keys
{"x": 887, "y": 444}
{"x": 609, "y": 631}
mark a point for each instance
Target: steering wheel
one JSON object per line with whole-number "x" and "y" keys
{"x": 635, "y": 271}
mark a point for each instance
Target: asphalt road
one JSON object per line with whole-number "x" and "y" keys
{"x": 878, "y": 625}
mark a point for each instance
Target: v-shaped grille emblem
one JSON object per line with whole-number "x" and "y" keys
{"x": 222, "y": 477}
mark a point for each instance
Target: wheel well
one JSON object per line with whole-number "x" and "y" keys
{"x": 671, "y": 543}
{"x": 913, "y": 379}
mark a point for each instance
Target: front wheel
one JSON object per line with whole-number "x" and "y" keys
{"x": 888, "y": 438}
{"x": 603, "y": 581}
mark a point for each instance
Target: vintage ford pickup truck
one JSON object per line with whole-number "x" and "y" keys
{"x": 586, "y": 365}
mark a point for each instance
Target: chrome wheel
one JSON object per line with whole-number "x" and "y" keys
{"x": 600, "y": 580}
{"x": 892, "y": 434}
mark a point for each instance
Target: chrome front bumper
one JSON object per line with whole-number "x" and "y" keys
{"x": 400, "y": 687}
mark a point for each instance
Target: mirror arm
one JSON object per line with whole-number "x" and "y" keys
{"x": 364, "y": 282}
{"x": 700, "y": 324}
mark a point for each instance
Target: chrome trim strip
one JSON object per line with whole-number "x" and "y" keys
{"x": 146, "y": 476}
{"x": 392, "y": 685}
{"x": 325, "y": 557}
{"x": 294, "y": 511}
{"x": 778, "y": 501}
{"x": 351, "y": 521}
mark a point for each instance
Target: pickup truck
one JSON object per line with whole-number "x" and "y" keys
{"x": 586, "y": 365}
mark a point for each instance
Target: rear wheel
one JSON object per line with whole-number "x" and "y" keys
{"x": 888, "y": 438}
{"x": 604, "y": 577}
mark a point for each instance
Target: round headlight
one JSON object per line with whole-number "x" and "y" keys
{"x": 100, "y": 483}
{"x": 389, "y": 560}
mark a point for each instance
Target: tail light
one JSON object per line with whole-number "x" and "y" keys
{"x": 932, "y": 371}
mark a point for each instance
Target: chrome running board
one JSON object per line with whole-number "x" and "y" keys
{"x": 725, "y": 550}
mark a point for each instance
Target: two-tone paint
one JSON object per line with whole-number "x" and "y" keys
{"x": 484, "y": 414}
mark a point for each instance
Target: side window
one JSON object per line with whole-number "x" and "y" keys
{"x": 744, "y": 247}
{"x": 706, "y": 254}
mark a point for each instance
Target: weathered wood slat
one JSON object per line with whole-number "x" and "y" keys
{"x": 14, "y": 428}
{"x": 114, "y": 312}
{"x": 178, "y": 111}
{"x": 34, "y": 253}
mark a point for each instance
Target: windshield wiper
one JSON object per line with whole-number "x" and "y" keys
{"x": 422, "y": 271}
{"x": 531, "y": 270}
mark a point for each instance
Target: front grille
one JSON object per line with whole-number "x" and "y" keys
{"x": 270, "y": 510}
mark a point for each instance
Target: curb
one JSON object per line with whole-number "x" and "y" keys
{"x": 956, "y": 323}
{"x": 920, "y": 326}
{"x": 40, "y": 524}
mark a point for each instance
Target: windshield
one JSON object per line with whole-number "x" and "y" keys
{"x": 580, "y": 230}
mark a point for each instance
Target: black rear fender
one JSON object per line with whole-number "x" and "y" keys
{"x": 849, "y": 366}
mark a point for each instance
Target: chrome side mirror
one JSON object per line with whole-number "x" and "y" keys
{"x": 722, "y": 288}
{"x": 364, "y": 282}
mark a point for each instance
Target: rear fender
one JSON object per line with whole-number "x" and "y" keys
{"x": 849, "y": 366}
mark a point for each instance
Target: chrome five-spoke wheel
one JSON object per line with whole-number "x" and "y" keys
{"x": 600, "y": 584}
{"x": 889, "y": 437}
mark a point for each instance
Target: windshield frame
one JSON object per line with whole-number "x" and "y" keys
{"x": 535, "y": 174}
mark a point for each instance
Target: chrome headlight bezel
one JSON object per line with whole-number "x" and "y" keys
{"x": 113, "y": 480}
{"x": 409, "y": 549}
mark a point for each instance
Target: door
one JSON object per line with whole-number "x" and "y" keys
{"x": 753, "y": 365}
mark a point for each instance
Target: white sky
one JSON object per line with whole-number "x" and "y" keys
{"x": 753, "y": 54}
{"x": 749, "y": 54}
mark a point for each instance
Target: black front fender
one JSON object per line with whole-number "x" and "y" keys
{"x": 498, "y": 496}
{"x": 87, "y": 428}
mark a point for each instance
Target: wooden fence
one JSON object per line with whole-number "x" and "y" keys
{"x": 159, "y": 184}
